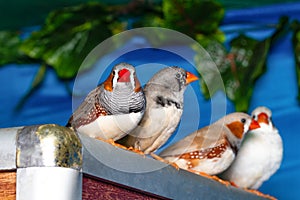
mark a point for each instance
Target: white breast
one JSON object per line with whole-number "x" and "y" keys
{"x": 162, "y": 125}
{"x": 111, "y": 126}
{"x": 259, "y": 157}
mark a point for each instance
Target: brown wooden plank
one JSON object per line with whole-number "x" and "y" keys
{"x": 8, "y": 185}
{"x": 98, "y": 189}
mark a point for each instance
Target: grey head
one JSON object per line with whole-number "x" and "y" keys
{"x": 171, "y": 78}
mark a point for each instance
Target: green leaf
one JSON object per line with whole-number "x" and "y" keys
{"x": 67, "y": 37}
{"x": 296, "y": 46}
{"x": 10, "y": 42}
{"x": 245, "y": 63}
{"x": 240, "y": 67}
{"x": 193, "y": 17}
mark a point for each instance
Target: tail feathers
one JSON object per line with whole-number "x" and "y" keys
{"x": 69, "y": 124}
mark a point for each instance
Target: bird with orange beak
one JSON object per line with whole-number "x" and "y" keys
{"x": 260, "y": 154}
{"x": 211, "y": 150}
{"x": 164, "y": 106}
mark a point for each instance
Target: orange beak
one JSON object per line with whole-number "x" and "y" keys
{"x": 190, "y": 77}
{"x": 254, "y": 125}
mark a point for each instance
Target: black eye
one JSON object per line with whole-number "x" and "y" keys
{"x": 178, "y": 76}
{"x": 243, "y": 120}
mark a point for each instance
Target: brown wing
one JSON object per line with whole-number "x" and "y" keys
{"x": 202, "y": 141}
{"x": 89, "y": 110}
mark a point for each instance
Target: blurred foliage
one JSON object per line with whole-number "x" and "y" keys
{"x": 241, "y": 66}
{"x": 34, "y": 12}
{"x": 10, "y": 42}
{"x": 193, "y": 17}
{"x": 70, "y": 33}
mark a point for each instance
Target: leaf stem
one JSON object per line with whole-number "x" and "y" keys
{"x": 37, "y": 81}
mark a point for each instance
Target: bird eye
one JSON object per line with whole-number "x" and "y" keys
{"x": 243, "y": 120}
{"x": 254, "y": 117}
{"x": 178, "y": 76}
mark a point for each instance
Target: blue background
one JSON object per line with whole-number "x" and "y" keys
{"x": 276, "y": 89}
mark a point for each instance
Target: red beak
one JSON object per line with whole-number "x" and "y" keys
{"x": 254, "y": 125}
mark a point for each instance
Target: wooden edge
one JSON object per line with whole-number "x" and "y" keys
{"x": 97, "y": 188}
{"x": 8, "y": 185}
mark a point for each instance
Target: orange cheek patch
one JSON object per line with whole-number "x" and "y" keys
{"x": 263, "y": 118}
{"x": 137, "y": 84}
{"x": 108, "y": 84}
{"x": 237, "y": 128}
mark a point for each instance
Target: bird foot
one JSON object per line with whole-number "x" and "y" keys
{"x": 157, "y": 157}
{"x": 112, "y": 142}
{"x": 215, "y": 178}
{"x": 136, "y": 151}
{"x": 258, "y": 193}
{"x": 233, "y": 184}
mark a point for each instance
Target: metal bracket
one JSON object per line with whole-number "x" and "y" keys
{"x": 47, "y": 159}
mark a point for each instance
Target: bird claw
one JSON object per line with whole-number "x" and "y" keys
{"x": 233, "y": 184}
{"x": 258, "y": 193}
{"x": 112, "y": 142}
{"x": 156, "y": 157}
{"x": 135, "y": 151}
{"x": 224, "y": 182}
